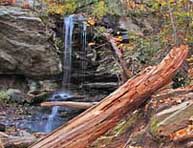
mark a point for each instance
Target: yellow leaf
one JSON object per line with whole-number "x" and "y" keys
{"x": 91, "y": 21}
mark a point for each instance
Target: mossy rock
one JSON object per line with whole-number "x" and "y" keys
{"x": 166, "y": 122}
{"x": 120, "y": 129}
{"x": 4, "y": 97}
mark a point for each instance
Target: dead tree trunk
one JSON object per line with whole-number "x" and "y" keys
{"x": 70, "y": 104}
{"x": 85, "y": 128}
{"x": 118, "y": 55}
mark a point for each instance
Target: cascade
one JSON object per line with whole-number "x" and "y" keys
{"x": 69, "y": 26}
{"x": 69, "y": 23}
{"x": 52, "y": 118}
{"x": 84, "y": 46}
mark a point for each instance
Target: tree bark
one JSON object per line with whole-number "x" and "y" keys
{"x": 118, "y": 55}
{"x": 85, "y": 128}
{"x": 70, "y": 104}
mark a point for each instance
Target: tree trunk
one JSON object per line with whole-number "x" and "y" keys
{"x": 85, "y": 128}
{"x": 118, "y": 55}
{"x": 70, "y": 104}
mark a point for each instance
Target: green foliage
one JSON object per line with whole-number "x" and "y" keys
{"x": 61, "y": 7}
{"x": 154, "y": 126}
{"x": 100, "y": 9}
{"x": 99, "y": 30}
{"x": 124, "y": 125}
{"x": 182, "y": 12}
{"x": 97, "y": 8}
{"x": 3, "y": 96}
{"x": 115, "y": 7}
{"x": 144, "y": 48}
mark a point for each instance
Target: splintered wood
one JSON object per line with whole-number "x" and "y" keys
{"x": 85, "y": 128}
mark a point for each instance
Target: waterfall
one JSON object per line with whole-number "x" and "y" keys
{"x": 51, "y": 123}
{"x": 67, "y": 68}
{"x": 69, "y": 26}
{"x": 69, "y": 23}
{"x": 84, "y": 38}
{"x": 84, "y": 45}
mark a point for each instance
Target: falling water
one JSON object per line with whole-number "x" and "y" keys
{"x": 69, "y": 26}
{"x": 84, "y": 38}
{"x": 50, "y": 125}
{"x": 83, "y": 50}
{"x": 69, "y": 23}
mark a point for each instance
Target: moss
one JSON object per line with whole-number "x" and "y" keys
{"x": 123, "y": 126}
{"x": 154, "y": 126}
{"x": 3, "y": 96}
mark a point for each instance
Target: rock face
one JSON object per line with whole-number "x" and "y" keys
{"x": 24, "y": 46}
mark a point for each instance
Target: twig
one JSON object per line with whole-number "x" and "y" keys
{"x": 173, "y": 24}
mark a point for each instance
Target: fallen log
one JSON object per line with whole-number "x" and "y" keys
{"x": 85, "y": 128}
{"x": 71, "y": 104}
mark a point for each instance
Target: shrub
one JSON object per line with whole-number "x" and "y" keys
{"x": 3, "y": 96}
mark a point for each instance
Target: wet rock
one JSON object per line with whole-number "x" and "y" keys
{"x": 97, "y": 77}
{"x": 34, "y": 97}
{"x": 49, "y": 85}
{"x": 15, "y": 95}
{"x": 62, "y": 97}
{"x": 25, "y": 48}
{"x": 109, "y": 21}
{"x": 126, "y": 23}
{"x": 24, "y": 133}
{"x": 33, "y": 85}
{"x": 101, "y": 85}
{"x": 15, "y": 82}
{"x": 2, "y": 127}
{"x": 40, "y": 90}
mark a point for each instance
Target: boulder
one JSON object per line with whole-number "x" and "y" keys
{"x": 25, "y": 47}
{"x": 15, "y": 95}
{"x": 2, "y": 127}
{"x": 126, "y": 23}
{"x": 174, "y": 123}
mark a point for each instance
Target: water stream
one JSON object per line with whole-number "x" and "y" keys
{"x": 69, "y": 26}
{"x": 69, "y": 23}
{"x": 84, "y": 46}
{"x": 51, "y": 123}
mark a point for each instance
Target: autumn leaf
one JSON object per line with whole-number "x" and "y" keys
{"x": 91, "y": 21}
